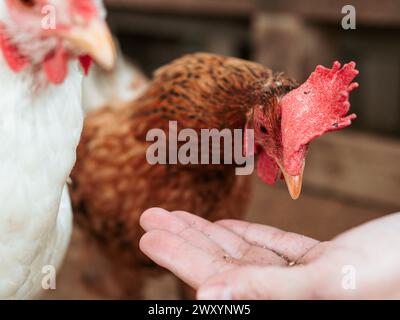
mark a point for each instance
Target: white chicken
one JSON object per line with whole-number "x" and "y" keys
{"x": 40, "y": 126}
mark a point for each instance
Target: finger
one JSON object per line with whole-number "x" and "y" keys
{"x": 176, "y": 254}
{"x": 160, "y": 219}
{"x": 259, "y": 283}
{"x": 292, "y": 246}
{"x": 154, "y": 219}
{"x": 230, "y": 242}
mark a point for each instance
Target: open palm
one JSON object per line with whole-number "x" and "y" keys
{"x": 239, "y": 260}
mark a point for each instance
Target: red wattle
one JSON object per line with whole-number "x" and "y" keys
{"x": 86, "y": 62}
{"x": 267, "y": 168}
{"x": 56, "y": 65}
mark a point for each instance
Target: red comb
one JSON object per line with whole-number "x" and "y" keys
{"x": 319, "y": 105}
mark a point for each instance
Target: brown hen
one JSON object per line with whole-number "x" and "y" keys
{"x": 113, "y": 183}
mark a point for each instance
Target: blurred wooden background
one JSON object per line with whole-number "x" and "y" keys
{"x": 351, "y": 176}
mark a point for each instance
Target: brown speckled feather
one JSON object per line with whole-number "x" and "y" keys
{"x": 112, "y": 181}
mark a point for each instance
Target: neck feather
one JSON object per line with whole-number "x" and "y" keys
{"x": 39, "y": 132}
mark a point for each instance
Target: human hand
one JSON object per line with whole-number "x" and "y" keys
{"x": 238, "y": 260}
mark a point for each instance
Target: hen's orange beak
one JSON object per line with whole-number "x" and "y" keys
{"x": 95, "y": 40}
{"x": 293, "y": 183}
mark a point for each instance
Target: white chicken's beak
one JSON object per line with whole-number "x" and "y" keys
{"x": 95, "y": 40}
{"x": 294, "y": 183}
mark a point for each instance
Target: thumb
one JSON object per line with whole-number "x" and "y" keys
{"x": 259, "y": 283}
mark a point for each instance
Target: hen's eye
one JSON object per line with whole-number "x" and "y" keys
{"x": 28, "y": 3}
{"x": 263, "y": 129}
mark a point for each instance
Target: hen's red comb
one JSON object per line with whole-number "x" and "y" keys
{"x": 317, "y": 106}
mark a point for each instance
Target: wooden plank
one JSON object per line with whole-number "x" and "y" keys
{"x": 360, "y": 167}
{"x": 284, "y": 42}
{"x": 377, "y": 61}
{"x": 382, "y": 12}
{"x": 210, "y": 7}
{"x": 190, "y": 27}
